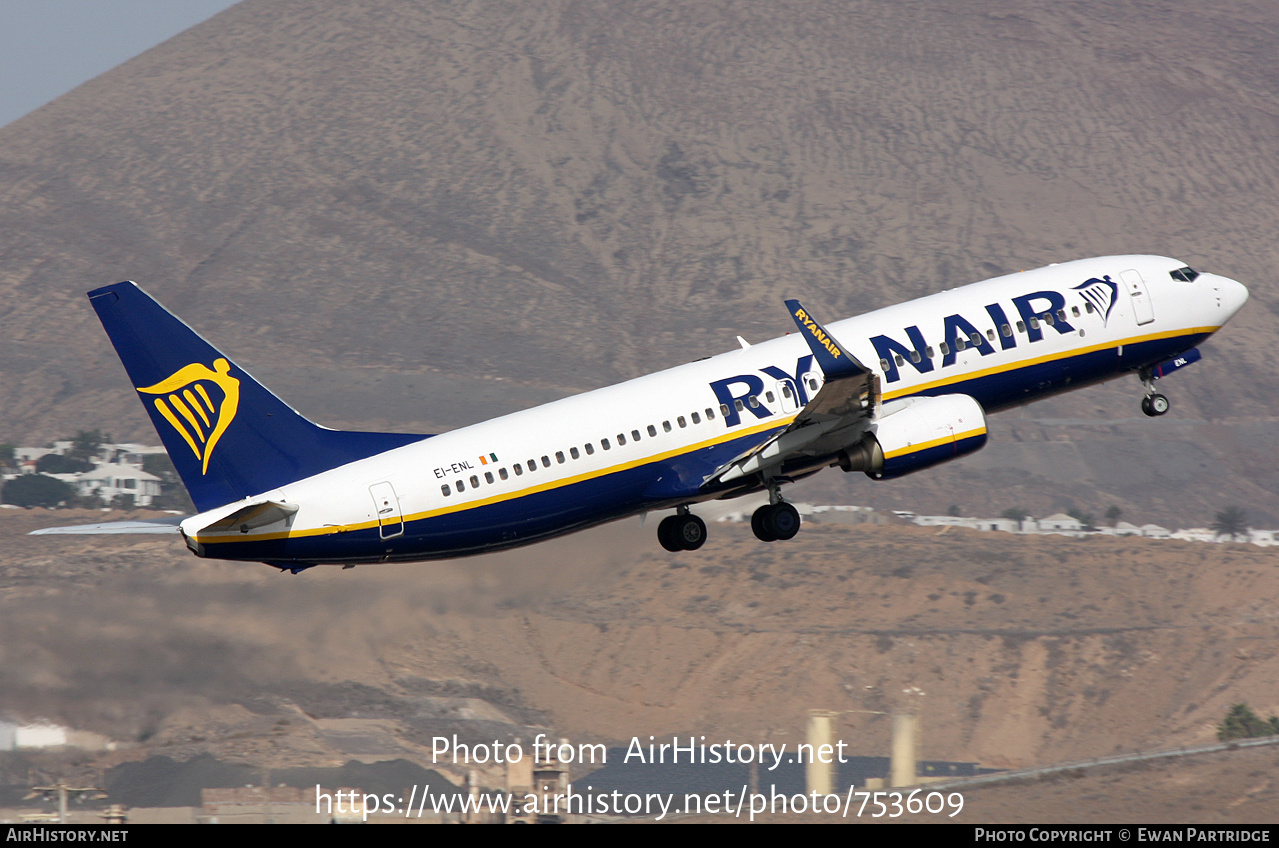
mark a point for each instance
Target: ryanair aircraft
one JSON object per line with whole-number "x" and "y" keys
{"x": 886, "y": 393}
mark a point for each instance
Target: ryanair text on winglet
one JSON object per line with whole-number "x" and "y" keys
{"x": 816, "y": 329}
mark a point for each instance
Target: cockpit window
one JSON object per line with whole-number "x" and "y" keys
{"x": 1185, "y": 275}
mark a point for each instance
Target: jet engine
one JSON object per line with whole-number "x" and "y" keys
{"x": 916, "y": 433}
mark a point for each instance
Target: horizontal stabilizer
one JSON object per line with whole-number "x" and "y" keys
{"x": 166, "y": 526}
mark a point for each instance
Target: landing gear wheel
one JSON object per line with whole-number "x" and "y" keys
{"x": 760, "y": 525}
{"x": 681, "y": 532}
{"x": 775, "y": 521}
{"x": 1155, "y": 405}
{"x": 666, "y": 533}
{"x": 691, "y": 532}
{"x": 784, "y": 519}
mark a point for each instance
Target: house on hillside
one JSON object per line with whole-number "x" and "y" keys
{"x": 110, "y": 481}
{"x": 1061, "y": 523}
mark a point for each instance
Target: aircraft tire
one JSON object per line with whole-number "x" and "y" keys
{"x": 690, "y": 532}
{"x": 783, "y": 520}
{"x": 668, "y": 534}
{"x": 1159, "y": 404}
{"x": 761, "y": 526}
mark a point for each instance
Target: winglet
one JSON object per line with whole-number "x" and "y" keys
{"x": 836, "y": 363}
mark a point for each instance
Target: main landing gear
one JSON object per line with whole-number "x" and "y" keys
{"x": 776, "y": 519}
{"x": 1153, "y": 404}
{"x": 682, "y": 531}
{"x": 772, "y": 522}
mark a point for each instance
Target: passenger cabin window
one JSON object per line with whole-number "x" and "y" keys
{"x": 975, "y": 338}
{"x": 605, "y": 445}
{"x": 652, "y": 431}
{"x": 546, "y": 462}
{"x": 928, "y": 351}
{"x": 1088, "y": 307}
{"x": 710, "y": 414}
{"x": 1021, "y": 326}
{"x": 959, "y": 343}
{"x": 590, "y": 451}
{"x": 501, "y": 472}
{"x": 1034, "y": 324}
{"x": 697, "y": 419}
{"x": 914, "y": 357}
{"x": 945, "y": 348}
{"x": 666, "y": 425}
{"x": 769, "y": 396}
{"x": 812, "y": 383}
{"x": 559, "y": 457}
{"x": 1061, "y": 315}
{"x": 573, "y": 452}
{"x": 723, "y": 409}
{"x": 1007, "y": 331}
{"x": 532, "y": 465}
{"x": 682, "y": 423}
{"x": 1074, "y": 310}
{"x": 475, "y": 481}
{"x": 900, "y": 361}
{"x": 753, "y": 401}
{"x": 1048, "y": 318}
{"x": 461, "y": 487}
{"x": 518, "y": 469}
{"x": 488, "y": 476}
{"x": 635, "y": 435}
{"x": 990, "y": 335}
{"x": 446, "y": 490}
{"x": 621, "y": 439}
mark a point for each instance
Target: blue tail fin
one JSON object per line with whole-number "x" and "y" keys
{"x": 227, "y": 435}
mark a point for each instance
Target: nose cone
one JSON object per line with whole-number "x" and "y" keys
{"x": 1231, "y": 296}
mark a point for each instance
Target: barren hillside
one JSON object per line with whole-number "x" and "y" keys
{"x": 1013, "y": 650}
{"x": 415, "y": 216}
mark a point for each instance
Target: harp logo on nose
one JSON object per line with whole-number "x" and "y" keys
{"x": 199, "y": 403}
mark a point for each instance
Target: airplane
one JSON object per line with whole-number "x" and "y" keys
{"x": 886, "y": 393}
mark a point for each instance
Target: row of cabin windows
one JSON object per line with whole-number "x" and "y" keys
{"x": 605, "y": 444}
{"x": 974, "y": 339}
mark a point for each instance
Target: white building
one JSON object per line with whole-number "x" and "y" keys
{"x": 1060, "y": 523}
{"x": 109, "y": 481}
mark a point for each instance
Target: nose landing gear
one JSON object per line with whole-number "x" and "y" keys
{"x": 1153, "y": 404}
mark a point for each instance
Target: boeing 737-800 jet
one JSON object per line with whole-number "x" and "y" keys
{"x": 886, "y": 393}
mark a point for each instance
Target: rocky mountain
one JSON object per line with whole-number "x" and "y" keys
{"x": 413, "y": 216}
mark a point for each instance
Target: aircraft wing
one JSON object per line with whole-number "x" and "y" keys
{"x": 840, "y": 409}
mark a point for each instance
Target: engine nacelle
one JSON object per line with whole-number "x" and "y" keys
{"x": 917, "y": 433}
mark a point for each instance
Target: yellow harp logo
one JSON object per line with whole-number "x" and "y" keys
{"x": 186, "y": 404}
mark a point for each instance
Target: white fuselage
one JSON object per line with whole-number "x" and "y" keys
{"x": 576, "y": 462}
